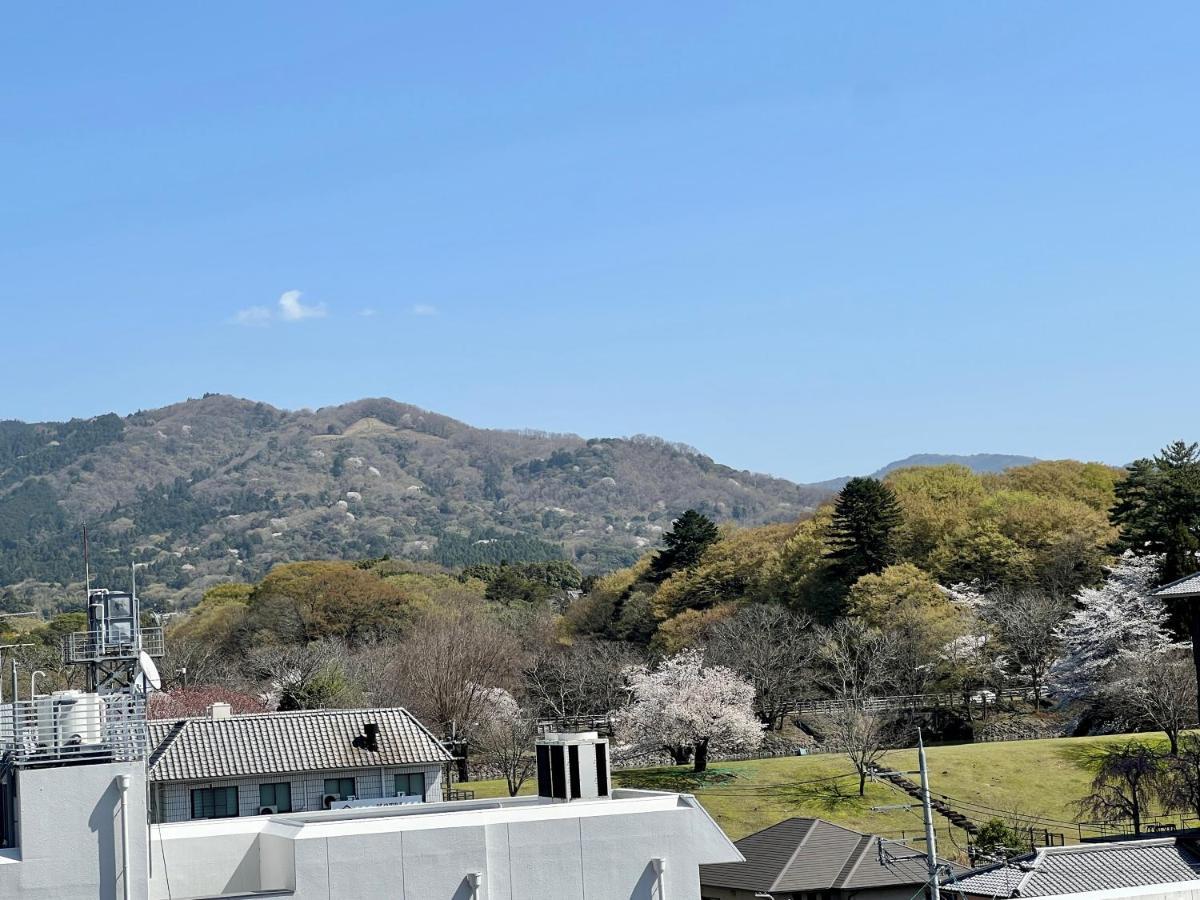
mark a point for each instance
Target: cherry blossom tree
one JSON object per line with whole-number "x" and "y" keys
{"x": 683, "y": 704}
{"x": 1121, "y": 615}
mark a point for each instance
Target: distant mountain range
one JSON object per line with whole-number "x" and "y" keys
{"x": 220, "y": 488}
{"x": 976, "y": 462}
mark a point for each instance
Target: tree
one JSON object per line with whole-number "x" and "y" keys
{"x": 444, "y": 670}
{"x": 586, "y": 678}
{"x": 683, "y": 704}
{"x": 1119, "y": 615}
{"x": 1027, "y": 622}
{"x": 1180, "y": 786}
{"x": 1158, "y": 508}
{"x": 691, "y": 534}
{"x": 911, "y": 606}
{"x": 864, "y": 736}
{"x": 311, "y": 676}
{"x": 1158, "y": 512}
{"x": 1127, "y": 779}
{"x": 771, "y": 648}
{"x": 1159, "y": 686}
{"x": 505, "y": 738}
{"x": 858, "y": 662}
{"x": 860, "y": 535}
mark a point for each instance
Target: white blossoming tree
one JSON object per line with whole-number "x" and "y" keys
{"x": 682, "y": 706}
{"x": 1119, "y": 617}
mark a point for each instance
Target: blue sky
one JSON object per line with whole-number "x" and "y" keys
{"x": 805, "y": 238}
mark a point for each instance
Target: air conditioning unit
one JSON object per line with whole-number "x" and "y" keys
{"x": 268, "y": 810}
{"x": 328, "y": 800}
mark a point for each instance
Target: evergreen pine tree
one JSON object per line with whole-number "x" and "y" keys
{"x": 686, "y": 542}
{"x": 1158, "y": 508}
{"x": 860, "y": 535}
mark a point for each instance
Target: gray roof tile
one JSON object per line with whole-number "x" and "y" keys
{"x": 270, "y": 743}
{"x": 804, "y": 854}
{"x": 1086, "y": 867}
{"x": 1188, "y": 586}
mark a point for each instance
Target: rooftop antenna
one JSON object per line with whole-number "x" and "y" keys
{"x": 87, "y": 571}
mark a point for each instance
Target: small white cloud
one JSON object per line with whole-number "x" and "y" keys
{"x": 424, "y": 309}
{"x": 252, "y": 315}
{"x": 292, "y": 310}
{"x": 366, "y": 313}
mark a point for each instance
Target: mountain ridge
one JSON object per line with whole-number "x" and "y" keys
{"x": 222, "y": 487}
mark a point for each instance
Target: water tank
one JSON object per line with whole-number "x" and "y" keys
{"x": 70, "y": 719}
{"x": 573, "y": 766}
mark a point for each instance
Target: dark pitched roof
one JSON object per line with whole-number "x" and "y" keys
{"x": 1188, "y": 586}
{"x": 803, "y": 854}
{"x": 1084, "y": 867}
{"x": 270, "y": 743}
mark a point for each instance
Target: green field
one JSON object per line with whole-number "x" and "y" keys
{"x": 1035, "y": 779}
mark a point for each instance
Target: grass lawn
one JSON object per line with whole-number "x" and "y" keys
{"x": 1037, "y": 779}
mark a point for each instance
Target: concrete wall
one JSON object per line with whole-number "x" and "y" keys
{"x": 528, "y": 850}
{"x": 173, "y": 802}
{"x": 70, "y": 834}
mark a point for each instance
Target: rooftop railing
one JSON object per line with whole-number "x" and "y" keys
{"x": 73, "y": 727}
{"x": 97, "y": 646}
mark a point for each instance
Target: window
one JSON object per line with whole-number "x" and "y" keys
{"x": 343, "y": 787}
{"x": 214, "y": 803}
{"x": 277, "y": 794}
{"x": 411, "y": 785}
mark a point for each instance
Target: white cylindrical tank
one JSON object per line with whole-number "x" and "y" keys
{"x": 79, "y": 718}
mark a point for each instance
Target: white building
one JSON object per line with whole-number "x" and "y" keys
{"x": 78, "y": 813}
{"x": 226, "y": 766}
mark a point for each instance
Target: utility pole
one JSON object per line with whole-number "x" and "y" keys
{"x": 935, "y": 891}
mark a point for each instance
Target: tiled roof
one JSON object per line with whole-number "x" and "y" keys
{"x": 1188, "y": 586}
{"x": 803, "y": 854}
{"x": 1082, "y": 868}
{"x": 269, "y": 743}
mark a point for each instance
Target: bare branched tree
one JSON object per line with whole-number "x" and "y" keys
{"x": 587, "y": 678}
{"x": 863, "y": 736}
{"x": 771, "y": 648}
{"x": 443, "y": 670}
{"x": 505, "y": 739}
{"x": 311, "y": 676}
{"x": 856, "y": 660}
{"x": 857, "y": 664}
{"x": 1027, "y": 622}
{"x": 1160, "y": 687}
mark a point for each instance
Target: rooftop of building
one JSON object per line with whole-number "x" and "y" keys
{"x": 803, "y": 854}
{"x": 214, "y": 746}
{"x": 1081, "y": 868}
{"x": 1188, "y": 586}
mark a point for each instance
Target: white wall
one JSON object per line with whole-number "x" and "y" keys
{"x": 70, "y": 834}
{"x": 525, "y": 850}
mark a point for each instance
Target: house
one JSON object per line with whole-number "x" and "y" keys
{"x": 811, "y": 859}
{"x": 225, "y": 766}
{"x": 1155, "y": 868}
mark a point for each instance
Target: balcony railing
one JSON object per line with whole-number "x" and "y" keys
{"x": 97, "y": 646}
{"x": 71, "y": 727}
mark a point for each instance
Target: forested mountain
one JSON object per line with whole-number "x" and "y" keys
{"x": 221, "y": 488}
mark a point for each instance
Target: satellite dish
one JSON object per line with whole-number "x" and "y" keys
{"x": 148, "y": 679}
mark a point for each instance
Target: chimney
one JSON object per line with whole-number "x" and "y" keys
{"x": 369, "y": 739}
{"x": 220, "y": 711}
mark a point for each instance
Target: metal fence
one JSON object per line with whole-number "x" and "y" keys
{"x": 72, "y": 726}
{"x": 97, "y": 646}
